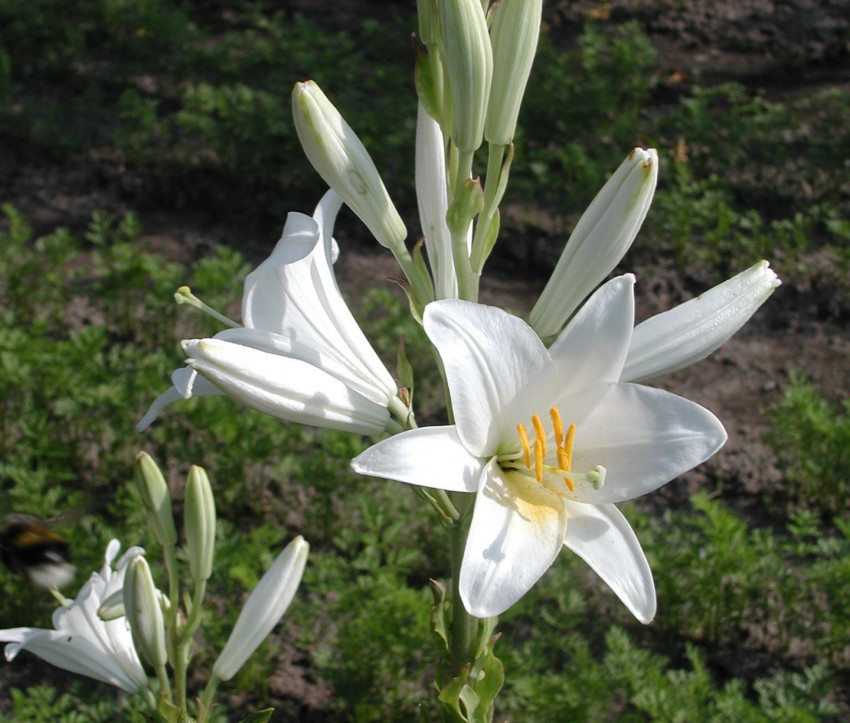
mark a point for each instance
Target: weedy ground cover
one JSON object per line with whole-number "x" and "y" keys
{"x": 754, "y": 617}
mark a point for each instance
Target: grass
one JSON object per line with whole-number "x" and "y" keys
{"x": 88, "y": 334}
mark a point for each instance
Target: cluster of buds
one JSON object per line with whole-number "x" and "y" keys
{"x": 121, "y": 620}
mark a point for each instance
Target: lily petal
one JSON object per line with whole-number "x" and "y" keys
{"x": 603, "y": 538}
{"x": 286, "y": 388}
{"x": 432, "y": 197}
{"x": 186, "y": 383}
{"x": 489, "y": 378}
{"x": 515, "y": 535}
{"x": 427, "y": 457}
{"x": 644, "y": 437}
{"x": 294, "y": 294}
{"x": 593, "y": 346}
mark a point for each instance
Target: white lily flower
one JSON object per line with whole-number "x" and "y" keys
{"x": 81, "y": 641}
{"x": 691, "y": 331}
{"x": 432, "y": 196}
{"x": 301, "y": 355}
{"x": 263, "y": 609}
{"x": 600, "y": 239}
{"x": 604, "y": 442}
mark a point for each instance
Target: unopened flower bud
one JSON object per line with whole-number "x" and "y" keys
{"x": 340, "y": 158}
{"x": 264, "y": 608}
{"x": 199, "y": 518}
{"x": 155, "y": 496}
{"x": 691, "y": 331}
{"x": 469, "y": 66}
{"x": 600, "y": 239}
{"x": 514, "y": 34}
{"x": 144, "y": 613}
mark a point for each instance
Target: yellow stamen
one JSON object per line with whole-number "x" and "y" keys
{"x": 526, "y": 445}
{"x": 539, "y": 432}
{"x": 557, "y": 426}
{"x": 539, "y": 453}
{"x": 568, "y": 448}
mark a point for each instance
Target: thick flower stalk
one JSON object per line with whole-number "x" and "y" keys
{"x": 600, "y": 239}
{"x": 549, "y": 440}
{"x": 300, "y": 355}
{"x": 83, "y": 643}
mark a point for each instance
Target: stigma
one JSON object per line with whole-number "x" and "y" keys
{"x": 552, "y": 468}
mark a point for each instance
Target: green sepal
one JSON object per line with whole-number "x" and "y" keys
{"x": 489, "y": 670}
{"x": 421, "y": 268}
{"x": 405, "y": 373}
{"x": 261, "y": 716}
{"x": 415, "y": 310}
{"x": 428, "y": 79}
{"x": 167, "y": 712}
{"x": 466, "y": 205}
{"x": 440, "y": 619}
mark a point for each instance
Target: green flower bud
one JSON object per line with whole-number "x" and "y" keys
{"x": 514, "y": 34}
{"x": 155, "y": 496}
{"x": 144, "y": 613}
{"x": 339, "y": 157}
{"x": 469, "y": 66}
{"x": 199, "y": 519}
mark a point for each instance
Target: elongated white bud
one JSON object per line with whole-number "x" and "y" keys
{"x": 601, "y": 238}
{"x": 264, "y": 609}
{"x": 691, "y": 331}
{"x": 340, "y": 158}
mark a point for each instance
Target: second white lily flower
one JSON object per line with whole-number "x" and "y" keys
{"x": 301, "y": 355}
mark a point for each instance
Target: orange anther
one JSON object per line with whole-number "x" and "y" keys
{"x": 557, "y": 426}
{"x": 568, "y": 449}
{"x": 538, "y": 460}
{"x": 539, "y": 432}
{"x": 526, "y": 445}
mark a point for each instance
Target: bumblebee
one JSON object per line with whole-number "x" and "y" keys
{"x": 28, "y": 547}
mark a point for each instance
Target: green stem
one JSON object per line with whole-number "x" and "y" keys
{"x": 464, "y": 626}
{"x": 205, "y": 701}
{"x": 495, "y": 158}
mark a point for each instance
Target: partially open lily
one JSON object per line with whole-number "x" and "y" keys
{"x": 301, "y": 355}
{"x": 81, "y": 641}
{"x": 549, "y": 440}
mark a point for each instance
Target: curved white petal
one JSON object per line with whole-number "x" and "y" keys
{"x": 427, "y": 457}
{"x": 644, "y": 437}
{"x": 593, "y": 346}
{"x": 494, "y": 363}
{"x": 82, "y": 642}
{"x": 432, "y": 197}
{"x": 294, "y": 293}
{"x": 186, "y": 383}
{"x": 691, "y": 331}
{"x": 603, "y": 538}
{"x": 517, "y": 530}
{"x": 286, "y": 388}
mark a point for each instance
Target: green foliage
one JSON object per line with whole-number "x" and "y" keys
{"x": 42, "y": 703}
{"x": 811, "y": 441}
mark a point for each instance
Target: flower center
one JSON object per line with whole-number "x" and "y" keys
{"x": 555, "y": 470}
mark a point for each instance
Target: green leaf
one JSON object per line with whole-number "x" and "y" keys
{"x": 261, "y": 716}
